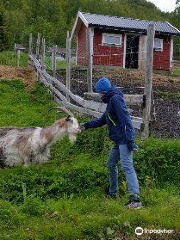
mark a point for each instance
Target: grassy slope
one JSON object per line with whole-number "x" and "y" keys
{"x": 10, "y": 58}
{"x": 64, "y": 198}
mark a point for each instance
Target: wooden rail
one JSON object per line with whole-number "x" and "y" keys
{"x": 128, "y": 98}
{"x": 90, "y": 106}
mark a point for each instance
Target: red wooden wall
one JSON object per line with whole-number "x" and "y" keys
{"x": 112, "y": 55}
{"x": 107, "y": 55}
{"x": 81, "y": 58}
{"x": 162, "y": 59}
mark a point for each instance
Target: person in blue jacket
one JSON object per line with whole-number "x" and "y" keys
{"x": 122, "y": 133}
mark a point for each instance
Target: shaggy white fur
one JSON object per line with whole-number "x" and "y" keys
{"x": 27, "y": 145}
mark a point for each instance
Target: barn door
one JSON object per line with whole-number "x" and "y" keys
{"x": 132, "y": 51}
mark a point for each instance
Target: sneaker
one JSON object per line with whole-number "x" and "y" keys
{"x": 113, "y": 196}
{"x": 136, "y": 204}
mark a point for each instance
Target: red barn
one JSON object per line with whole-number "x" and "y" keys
{"x": 119, "y": 41}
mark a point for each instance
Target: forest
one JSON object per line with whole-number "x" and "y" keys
{"x": 52, "y": 18}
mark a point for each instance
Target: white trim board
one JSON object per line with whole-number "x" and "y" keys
{"x": 79, "y": 16}
{"x": 173, "y": 27}
{"x": 124, "y": 55}
{"x": 171, "y": 52}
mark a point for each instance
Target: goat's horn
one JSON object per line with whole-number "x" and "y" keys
{"x": 63, "y": 110}
{"x": 69, "y": 113}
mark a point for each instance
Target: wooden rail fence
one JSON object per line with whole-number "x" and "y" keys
{"x": 91, "y": 103}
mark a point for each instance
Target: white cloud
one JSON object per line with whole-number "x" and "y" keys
{"x": 165, "y": 5}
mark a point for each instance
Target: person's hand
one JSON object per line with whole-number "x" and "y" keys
{"x": 132, "y": 146}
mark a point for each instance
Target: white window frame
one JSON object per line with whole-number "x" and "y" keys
{"x": 112, "y": 35}
{"x": 161, "y": 42}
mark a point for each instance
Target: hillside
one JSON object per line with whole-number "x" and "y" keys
{"x": 65, "y": 197}
{"x": 53, "y": 18}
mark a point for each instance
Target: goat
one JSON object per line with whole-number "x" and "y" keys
{"x": 27, "y": 145}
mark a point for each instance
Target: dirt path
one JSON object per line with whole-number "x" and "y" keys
{"x": 27, "y": 74}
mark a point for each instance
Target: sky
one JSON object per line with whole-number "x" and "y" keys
{"x": 165, "y": 5}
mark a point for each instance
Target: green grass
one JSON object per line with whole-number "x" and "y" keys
{"x": 64, "y": 198}
{"x": 10, "y": 58}
{"x": 176, "y": 72}
{"x": 87, "y": 218}
{"x": 60, "y": 64}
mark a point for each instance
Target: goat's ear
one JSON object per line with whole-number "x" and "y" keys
{"x": 68, "y": 119}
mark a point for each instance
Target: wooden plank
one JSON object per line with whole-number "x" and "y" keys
{"x": 30, "y": 43}
{"x": 61, "y": 96}
{"x": 89, "y": 58}
{"x": 68, "y": 62}
{"x": 43, "y": 57}
{"x": 78, "y": 109}
{"x": 137, "y": 122}
{"x": 53, "y": 59}
{"x": 38, "y": 45}
{"x": 148, "y": 80}
{"x": 18, "y": 57}
{"x": 98, "y": 106}
{"x": 130, "y": 99}
{"x": 133, "y": 99}
{"x": 43, "y": 79}
{"x": 87, "y": 104}
{"x": 92, "y": 96}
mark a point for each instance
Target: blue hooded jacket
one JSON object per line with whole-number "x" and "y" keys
{"x": 116, "y": 116}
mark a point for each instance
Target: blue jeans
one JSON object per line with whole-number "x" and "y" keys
{"x": 121, "y": 152}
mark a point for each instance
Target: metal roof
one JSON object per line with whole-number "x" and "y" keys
{"x": 19, "y": 47}
{"x": 121, "y": 23}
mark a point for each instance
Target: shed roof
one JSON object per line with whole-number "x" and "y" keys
{"x": 19, "y": 47}
{"x": 126, "y": 24}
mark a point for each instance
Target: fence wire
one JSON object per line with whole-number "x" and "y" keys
{"x": 108, "y": 61}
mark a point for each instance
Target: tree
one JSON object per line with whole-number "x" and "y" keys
{"x": 3, "y": 31}
{"x": 15, "y": 22}
{"x": 54, "y": 17}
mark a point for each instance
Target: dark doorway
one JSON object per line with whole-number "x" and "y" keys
{"x": 132, "y": 51}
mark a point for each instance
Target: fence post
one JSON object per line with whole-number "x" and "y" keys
{"x": 30, "y": 44}
{"x": 38, "y": 45}
{"x": 18, "y": 57}
{"x": 148, "y": 80}
{"x": 89, "y": 59}
{"x": 43, "y": 56}
{"x": 68, "y": 62}
{"x": 54, "y": 60}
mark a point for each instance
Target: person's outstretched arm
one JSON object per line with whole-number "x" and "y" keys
{"x": 96, "y": 123}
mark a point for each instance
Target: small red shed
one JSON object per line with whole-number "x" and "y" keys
{"x": 119, "y": 41}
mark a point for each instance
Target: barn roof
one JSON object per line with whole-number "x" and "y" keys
{"x": 18, "y": 46}
{"x": 126, "y": 24}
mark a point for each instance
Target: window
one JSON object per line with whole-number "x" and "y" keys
{"x": 158, "y": 44}
{"x": 112, "y": 39}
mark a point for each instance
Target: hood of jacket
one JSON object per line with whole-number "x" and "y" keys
{"x": 111, "y": 93}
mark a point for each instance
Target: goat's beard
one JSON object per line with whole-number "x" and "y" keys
{"x": 72, "y": 138}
